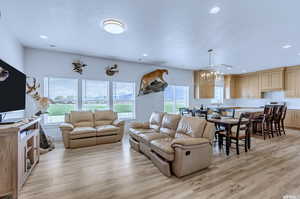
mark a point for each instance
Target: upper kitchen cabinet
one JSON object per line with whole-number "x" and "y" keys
{"x": 271, "y": 80}
{"x": 242, "y": 86}
{"x": 253, "y": 85}
{"x": 204, "y": 87}
{"x": 292, "y": 82}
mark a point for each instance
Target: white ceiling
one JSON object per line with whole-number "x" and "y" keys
{"x": 248, "y": 34}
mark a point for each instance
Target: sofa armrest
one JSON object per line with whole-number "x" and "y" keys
{"x": 139, "y": 125}
{"x": 66, "y": 126}
{"x": 119, "y": 123}
{"x": 189, "y": 142}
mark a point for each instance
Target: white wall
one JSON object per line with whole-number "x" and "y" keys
{"x": 42, "y": 63}
{"x": 11, "y": 51}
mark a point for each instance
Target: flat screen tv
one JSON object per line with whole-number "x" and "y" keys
{"x": 12, "y": 88}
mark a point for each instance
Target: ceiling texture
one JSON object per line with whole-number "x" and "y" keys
{"x": 247, "y": 34}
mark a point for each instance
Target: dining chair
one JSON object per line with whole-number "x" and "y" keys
{"x": 282, "y": 128}
{"x": 263, "y": 124}
{"x": 276, "y": 123}
{"x": 241, "y": 132}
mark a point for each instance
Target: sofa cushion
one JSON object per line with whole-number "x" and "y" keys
{"x": 191, "y": 126}
{"x": 181, "y": 135}
{"x": 82, "y": 118}
{"x": 134, "y": 133}
{"x": 83, "y": 132}
{"x": 148, "y": 137}
{"x": 209, "y": 131}
{"x": 104, "y": 117}
{"x": 169, "y": 124}
{"x": 107, "y": 130}
{"x": 155, "y": 120}
{"x": 163, "y": 148}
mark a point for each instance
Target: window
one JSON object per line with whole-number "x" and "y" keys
{"x": 176, "y": 97}
{"x": 219, "y": 95}
{"x": 64, "y": 93}
{"x": 71, "y": 94}
{"x": 95, "y": 95}
{"x": 219, "y": 91}
{"x": 124, "y": 99}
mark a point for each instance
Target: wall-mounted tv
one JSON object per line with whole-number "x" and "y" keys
{"x": 12, "y": 88}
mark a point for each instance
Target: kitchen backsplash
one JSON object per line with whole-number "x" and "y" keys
{"x": 274, "y": 96}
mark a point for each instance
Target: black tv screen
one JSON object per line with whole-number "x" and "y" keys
{"x": 12, "y": 88}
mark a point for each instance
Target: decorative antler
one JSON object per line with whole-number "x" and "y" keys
{"x": 33, "y": 88}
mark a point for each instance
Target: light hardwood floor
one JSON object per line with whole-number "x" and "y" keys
{"x": 270, "y": 170}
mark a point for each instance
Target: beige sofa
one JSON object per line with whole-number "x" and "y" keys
{"x": 175, "y": 144}
{"x": 87, "y": 128}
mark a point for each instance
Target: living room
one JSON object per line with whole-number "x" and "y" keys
{"x": 149, "y": 99}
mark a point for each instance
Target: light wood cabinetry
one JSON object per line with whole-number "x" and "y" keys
{"x": 292, "y": 82}
{"x": 271, "y": 80}
{"x": 203, "y": 88}
{"x": 254, "y": 87}
{"x": 19, "y": 153}
{"x": 292, "y": 118}
{"x": 242, "y": 86}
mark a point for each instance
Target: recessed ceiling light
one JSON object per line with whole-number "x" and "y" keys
{"x": 43, "y": 37}
{"x": 287, "y": 46}
{"x": 215, "y": 10}
{"x": 145, "y": 55}
{"x": 113, "y": 26}
{"x": 299, "y": 54}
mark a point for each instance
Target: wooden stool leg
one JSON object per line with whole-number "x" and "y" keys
{"x": 237, "y": 147}
{"x": 271, "y": 124}
{"x": 279, "y": 128}
{"x": 282, "y": 125}
{"x": 263, "y": 131}
{"x": 246, "y": 144}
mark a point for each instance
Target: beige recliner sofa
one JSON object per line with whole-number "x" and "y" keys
{"x": 175, "y": 144}
{"x": 87, "y": 128}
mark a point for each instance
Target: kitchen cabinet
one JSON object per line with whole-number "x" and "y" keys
{"x": 292, "y": 118}
{"x": 292, "y": 82}
{"x": 203, "y": 87}
{"x": 271, "y": 80}
{"x": 242, "y": 86}
{"x": 254, "y": 88}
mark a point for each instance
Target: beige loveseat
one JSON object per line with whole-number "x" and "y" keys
{"x": 175, "y": 144}
{"x": 87, "y": 128}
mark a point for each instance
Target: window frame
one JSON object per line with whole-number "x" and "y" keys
{"x": 81, "y": 95}
{"x": 46, "y": 94}
{"x": 174, "y": 101}
{"x": 134, "y": 98}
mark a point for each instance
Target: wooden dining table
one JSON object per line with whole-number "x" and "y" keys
{"x": 228, "y": 123}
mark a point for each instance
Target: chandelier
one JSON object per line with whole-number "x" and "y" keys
{"x": 213, "y": 72}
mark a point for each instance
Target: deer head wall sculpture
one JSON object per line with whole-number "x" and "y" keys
{"x": 42, "y": 102}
